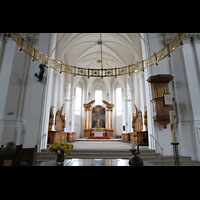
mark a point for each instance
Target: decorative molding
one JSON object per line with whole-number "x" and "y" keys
{"x": 108, "y": 105}
{"x": 88, "y": 105}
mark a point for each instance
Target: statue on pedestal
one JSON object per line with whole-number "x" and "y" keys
{"x": 60, "y": 120}
{"x": 137, "y": 123}
{"x": 51, "y": 117}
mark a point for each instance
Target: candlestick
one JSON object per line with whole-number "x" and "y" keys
{"x": 176, "y": 154}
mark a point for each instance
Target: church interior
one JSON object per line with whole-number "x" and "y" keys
{"x": 108, "y": 99}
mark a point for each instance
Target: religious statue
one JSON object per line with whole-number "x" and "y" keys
{"x": 51, "y": 117}
{"x": 137, "y": 123}
{"x": 60, "y": 120}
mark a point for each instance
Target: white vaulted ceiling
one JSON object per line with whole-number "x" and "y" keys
{"x": 82, "y": 50}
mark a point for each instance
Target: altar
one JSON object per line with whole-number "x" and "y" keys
{"x": 98, "y": 120}
{"x": 98, "y": 134}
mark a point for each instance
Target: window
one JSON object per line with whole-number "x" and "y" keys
{"x": 98, "y": 97}
{"x": 119, "y": 101}
{"x": 78, "y": 101}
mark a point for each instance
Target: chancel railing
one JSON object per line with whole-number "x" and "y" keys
{"x": 155, "y": 145}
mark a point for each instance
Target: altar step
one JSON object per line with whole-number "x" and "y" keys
{"x": 146, "y": 154}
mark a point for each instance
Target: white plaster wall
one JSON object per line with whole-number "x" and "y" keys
{"x": 191, "y": 59}
{"x": 34, "y": 103}
{"x": 13, "y": 67}
{"x": 163, "y": 136}
{"x": 23, "y": 98}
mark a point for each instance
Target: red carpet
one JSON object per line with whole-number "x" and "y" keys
{"x": 98, "y": 138}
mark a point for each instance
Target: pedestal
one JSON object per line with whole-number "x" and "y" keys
{"x": 87, "y": 132}
{"x": 109, "y": 132}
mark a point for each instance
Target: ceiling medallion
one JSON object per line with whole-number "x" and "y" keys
{"x": 99, "y": 61}
{"x": 99, "y": 42}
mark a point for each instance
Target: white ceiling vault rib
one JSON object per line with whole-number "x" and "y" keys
{"x": 107, "y": 61}
{"x": 82, "y": 50}
{"x": 106, "y": 52}
{"x": 116, "y": 60}
{"x": 67, "y": 41}
{"x": 116, "y": 54}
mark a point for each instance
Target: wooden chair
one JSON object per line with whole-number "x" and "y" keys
{"x": 13, "y": 160}
{"x": 22, "y": 157}
{"x": 28, "y": 156}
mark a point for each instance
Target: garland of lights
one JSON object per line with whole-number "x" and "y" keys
{"x": 88, "y": 72}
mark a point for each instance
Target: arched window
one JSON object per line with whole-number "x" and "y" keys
{"x": 98, "y": 97}
{"x": 119, "y": 101}
{"x": 78, "y": 101}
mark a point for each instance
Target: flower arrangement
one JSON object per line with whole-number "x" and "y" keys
{"x": 60, "y": 149}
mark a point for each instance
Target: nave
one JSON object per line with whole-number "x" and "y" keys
{"x": 95, "y": 84}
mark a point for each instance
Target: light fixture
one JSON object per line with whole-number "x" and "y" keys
{"x": 99, "y": 42}
{"x": 111, "y": 72}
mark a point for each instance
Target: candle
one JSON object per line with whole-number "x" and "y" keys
{"x": 174, "y": 138}
{"x": 133, "y": 145}
{"x": 171, "y": 116}
{"x": 173, "y": 125}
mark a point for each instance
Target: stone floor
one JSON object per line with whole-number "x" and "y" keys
{"x": 89, "y": 150}
{"x": 111, "y": 144}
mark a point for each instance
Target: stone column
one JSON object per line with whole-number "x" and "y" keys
{"x": 142, "y": 93}
{"x": 111, "y": 120}
{"x": 6, "y": 65}
{"x": 72, "y": 111}
{"x": 85, "y": 126}
{"x": 106, "y": 118}
{"x": 89, "y": 118}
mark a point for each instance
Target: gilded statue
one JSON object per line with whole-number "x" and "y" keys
{"x": 60, "y": 120}
{"x": 137, "y": 123}
{"x": 51, "y": 118}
